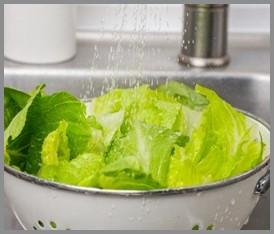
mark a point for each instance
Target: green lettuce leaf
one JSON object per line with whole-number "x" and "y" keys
{"x": 96, "y": 142}
{"x": 46, "y": 116}
{"x": 42, "y": 115}
{"x": 16, "y": 143}
{"x": 221, "y": 145}
{"x": 110, "y": 123}
{"x": 129, "y": 180}
{"x": 14, "y": 101}
{"x": 183, "y": 172}
{"x": 244, "y": 162}
{"x": 113, "y": 101}
{"x": 149, "y": 148}
{"x": 55, "y": 146}
{"x": 185, "y": 94}
{"x": 82, "y": 170}
{"x": 138, "y": 138}
{"x": 140, "y": 103}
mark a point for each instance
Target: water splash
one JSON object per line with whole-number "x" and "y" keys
{"x": 233, "y": 202}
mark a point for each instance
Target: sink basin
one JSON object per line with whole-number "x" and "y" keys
{"x": 244, "y": 83}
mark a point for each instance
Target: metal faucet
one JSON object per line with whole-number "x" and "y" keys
{"x": 205, "y": 35}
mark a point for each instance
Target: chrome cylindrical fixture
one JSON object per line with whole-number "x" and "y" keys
{"x": 205, "y": 35}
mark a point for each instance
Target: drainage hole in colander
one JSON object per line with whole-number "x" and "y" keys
{"x": 196, "y": 227}
{"x": 34, "y": 227}
{"x": 210, "y": 227}
{"x": 53, "y": 224}
{"x": 40, "y": 223}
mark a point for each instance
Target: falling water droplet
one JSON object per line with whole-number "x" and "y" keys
{"x": 246, "y": 221}
{"x": 198, "y": 194}
{"x": 226, "y": 210}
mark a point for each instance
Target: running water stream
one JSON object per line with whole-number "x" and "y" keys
{"x": 131, "y": 41}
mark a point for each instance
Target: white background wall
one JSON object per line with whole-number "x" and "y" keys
{"x": 165, "y": 17}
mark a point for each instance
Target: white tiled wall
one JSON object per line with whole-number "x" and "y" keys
{"x": 165, "y": 17}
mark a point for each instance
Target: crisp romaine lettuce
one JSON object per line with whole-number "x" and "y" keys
{"x": 160, "y": 113}
{"x": 14, "y": 101}
{"x": 113, "y": 101}
{"x": 221, "y": 145}
{"x": 46, "y": 115}
{"x": 247, "y": 146}
{"x": 82, "y": 170}
{"x": 16, "y": 143}
{"x": 137, "y": 138}
{"x": 55, "y": 146}
{"x": 128, "y": 180}
{"x": 185, "y": 94}
{"x": 146, "y": 148}
{"x": 41, "y": 115}
{"x": 18, "y": 122}
{"x": 183, "y": 172}
{"x": 96, "y": 143}
{"x": 141, "y": 103}
{"x": 110, "y": 123}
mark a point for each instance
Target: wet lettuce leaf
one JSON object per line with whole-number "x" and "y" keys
{"x": 183, "y": 171}
{"x": 128, "y": 180}
{"x": 14, "y": 101}
{"x": 137, "y": 138}
{"x": 111, "y": 123}
{"x": 16, "y": 143}
{"x": 142, "y": 104}
{"x": 83, "y": 170}
{"x": 55, "y": 146}
{"x": 220, "y": 146}
{"x": 146, "y": 148}
{"x": 42, "y": 115}
{"x": 185, "y": 94}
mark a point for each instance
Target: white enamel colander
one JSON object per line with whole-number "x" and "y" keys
{"x": 41, "y": 204}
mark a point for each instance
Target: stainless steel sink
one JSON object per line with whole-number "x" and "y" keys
{"x": 152, "y": 59}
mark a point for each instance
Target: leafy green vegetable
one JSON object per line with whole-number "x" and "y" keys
{"x": 82, "y": 170}
{"x": 183, "y": 172}
{"x": 18, "y": 122}
{"x": 255, "y": 151}
{"x": 14, "y": 101}
{"x": 145, "y": 148}
{"x": 55, "y": 146}
{"x": 45, "y": 117}
{"x": 221, "y": 145}
{"x": 15, "y": 153}
{"x": 40, "y": 116}
{"x": 129, "y": 180}
{"x": 141, "y": 103}
{"x": 185, "y": 94}
{"x": 138, "y": 138}
{"x": 110, "y": 124}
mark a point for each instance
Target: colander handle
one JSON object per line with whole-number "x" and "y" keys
{"x": 263, "y": 184}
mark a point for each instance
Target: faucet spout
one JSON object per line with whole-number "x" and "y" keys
{"x": 205, "y": 35}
